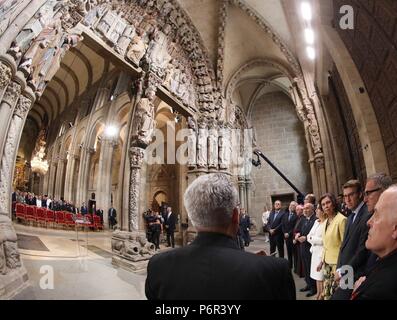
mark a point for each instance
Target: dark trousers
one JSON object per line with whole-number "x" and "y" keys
{"x": 277, "y": 240}
{"x": 156, "y": 238}
{"x": 170, "y": 238}
{"x": 290, "y": 249}
{"x": 307, "y": 259}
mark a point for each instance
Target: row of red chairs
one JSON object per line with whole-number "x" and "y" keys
{"x": 46, "y": 216}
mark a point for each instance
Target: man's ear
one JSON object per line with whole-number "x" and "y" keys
{"x": 394, "y": 234}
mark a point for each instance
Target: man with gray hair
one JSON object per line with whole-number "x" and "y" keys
{"x": 380, "y": 283}
{"x": 212, "y": 266}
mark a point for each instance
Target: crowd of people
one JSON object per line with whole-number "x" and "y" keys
{"x": 45, "y": 201}
{"x": 344, "y": 250}
{"x": 327, "y": 242}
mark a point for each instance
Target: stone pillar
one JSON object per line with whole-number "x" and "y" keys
{"x": 241, "y": 192}
{"x": 5, "y": 78}
{"x": 70, "y": 169}
{"x": 104, "y": 186}
{"x": 51, "y": 180}
{"x": 7, "y": 106}
{"x": 46, "y": 179}
{"x": 59, "y": 178}
{"x": 10, "y": 152}
{"x": 136, "y": 160}
{"x": 248, "y": 195}
{"x": 322, "y": 178}
{"x": 13, "y": 276}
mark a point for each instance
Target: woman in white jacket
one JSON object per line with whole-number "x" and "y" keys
{"x": 315, "y": 238}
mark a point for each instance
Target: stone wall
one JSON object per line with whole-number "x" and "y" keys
{"x": 280, "y": 136}
{"x": 372, "y": 45}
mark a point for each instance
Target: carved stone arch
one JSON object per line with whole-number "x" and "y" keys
{"x": 65, "y": 89}
{"x": 94, "y": 131}
{"x": 76, "y": 82}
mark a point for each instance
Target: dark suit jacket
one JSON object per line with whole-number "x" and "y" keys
{"x": 352, "y": 251}
{"x": 276, "y": 223}
{"x": 213, "y": 267}
{"x": 289, "y": 224}
{"x": 381, "y": 281}
{"x": 307, "y": 225}
{"x": 170, "y": 222}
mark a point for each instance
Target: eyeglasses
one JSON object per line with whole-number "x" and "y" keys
{"x": 349, "y": 195}
{"x": 368, "y": 192}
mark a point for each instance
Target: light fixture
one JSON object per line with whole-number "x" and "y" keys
{"x": 306, "y": 11}
{"x": 311, "y": 53}
{"x": 309, "y": 36}
{"x": 111, "y": 131}
{"x": 39, "y": 165}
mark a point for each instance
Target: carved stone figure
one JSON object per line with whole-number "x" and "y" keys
{"x": 117, "y": 31}
{"x": 136, "y": 50}
{"x": 157, "y": 55}
{"x": 202, "y": 145}
{"x": 106, "y": 22}
{"x": 131, "y": 246}
{"x": 192, "y": 147}
{"x": 212, "y": 146}
{"x": 145, "y": 119}
{"x": 225, "y": 149}
{"x": 9, "y": 256}
{"x": 125, "y": 39}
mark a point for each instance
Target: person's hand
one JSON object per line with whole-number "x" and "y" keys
{"x": 302, "y": 239}
{"x": 248, "y": 229}
{"x": 320, "y": 266}
{"x": 271, "y": 231}
{"x": 294, "y": 241}
{"x": 297, "y": 236}
{"x": 286, "y": 235}
{"x": 337, "y": 276}
{"x": 358, "y": 283}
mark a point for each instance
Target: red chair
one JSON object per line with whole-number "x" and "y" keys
{"x": 69, "y": 219}
{"x": 97, "y": 222}
{"x": 41, "y": 215}
{"x": 50, "y": 216}
{"x": 20, "y": 211}
{"x": 90, "y": 220}
{"x": 31, "y": 213}
{"x": 60, "y": 218}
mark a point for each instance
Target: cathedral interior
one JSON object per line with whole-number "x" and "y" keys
{"x": 122, "y": 104}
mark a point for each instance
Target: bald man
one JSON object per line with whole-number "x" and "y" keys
{"x": 380, "y": 283}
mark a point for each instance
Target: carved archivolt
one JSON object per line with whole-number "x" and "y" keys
{"x": 5, "y": 75}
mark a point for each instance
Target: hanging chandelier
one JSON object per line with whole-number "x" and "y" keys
{"x": 38, "y": 163}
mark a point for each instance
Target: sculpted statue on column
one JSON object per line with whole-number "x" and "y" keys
{"x": 212, "y": 145}
{"x": 137, "y": 49}
{"x": 192, "y": 142}
{"x": 225, "y": 148}
{"x": 202, "y": 144}
{"x": 145, "y": 123}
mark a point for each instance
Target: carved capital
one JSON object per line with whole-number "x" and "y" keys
{"x": 136, "y": 157}
{"x": 12, "y": 93}
{"x": 320, "y": 161}
{"x": 23, "y": 107}
{"x": 5, "y": 75}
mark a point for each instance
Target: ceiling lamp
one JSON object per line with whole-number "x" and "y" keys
{"x": 306, "y": 11}
{"x": 309, "y": 36}
{"x": 111, "y": 131}
{"x": 311, "y": 53}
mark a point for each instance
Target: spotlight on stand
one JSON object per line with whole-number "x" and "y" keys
{"x": 257, "y": 162}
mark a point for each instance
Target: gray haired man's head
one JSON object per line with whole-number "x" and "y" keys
{"x": 210, "y": 201}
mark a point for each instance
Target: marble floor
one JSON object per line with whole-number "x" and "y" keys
{"x": 81, "y": 266}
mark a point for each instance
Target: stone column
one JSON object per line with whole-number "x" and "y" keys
{"x": 59, "y": 178}
{"x": 51, "y": 180}
{"x": 104, "y": 186}
{"x": 248, "y": 196}
{"x": 46, "y": 179}
{"x": 5, "y": 78}
{"x": 136, "y": 160}
{"x": 10, "y": 152}
{"x": 241, "y": 193}
{"x": 70, "y": 168}
{"x": 7, "y": 106}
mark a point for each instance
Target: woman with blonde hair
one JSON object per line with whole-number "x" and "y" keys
{"x": 315, "y": 238}
{"x": 332, "y": 240}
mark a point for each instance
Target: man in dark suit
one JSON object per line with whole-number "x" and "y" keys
{"x": 212, "y": 267}
{"x": 170, "y": 225}
{"x": 308, "y": 222}
{"x": 83, "y": 209}
{"x": 380, "y": 283}
{"x": 275, "y": 230}
{"x": 112, "y": 217}
{"x": 352, "y": 251}
{"x": 288, "y": 225}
